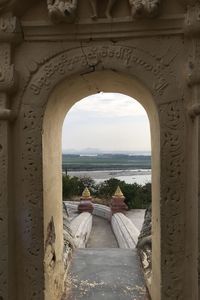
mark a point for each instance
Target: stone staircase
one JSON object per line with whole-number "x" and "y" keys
{"x": 107, "y": 273}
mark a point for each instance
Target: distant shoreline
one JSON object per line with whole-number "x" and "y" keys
{"x": 103, "y": 162}
{"x": 129, "y": 176}
{"x": 107, "y": 168}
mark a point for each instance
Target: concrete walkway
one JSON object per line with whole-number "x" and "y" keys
{"x": 109, "y": 274}
{"x": 101, "y": 235}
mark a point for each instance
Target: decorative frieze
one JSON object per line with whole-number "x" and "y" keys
{"x": 108, "y": 11}
{"x": 10, "y": 32}
{"x": 7, "y": 78}
{"x": 172, "y": 196}
{"x": 193, "y": 66}
{"x": 62, "y": 10}
{"x": 144, "y": 8}
{"x": 65, "y": 10}
{"x": 10, "y": 29}
{"x": 41, "y": 79}
{"x": 192, "y": 20}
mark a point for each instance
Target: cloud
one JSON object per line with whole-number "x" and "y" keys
{"x": 107, "y": 121}
{"x": 109, "y": 105}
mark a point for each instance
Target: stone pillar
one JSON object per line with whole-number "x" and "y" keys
{"x": 86, "y": 202}
{"x": 117, "y": 203}
{"x": 192, "y": 223}
{"x": 9, "y": 34}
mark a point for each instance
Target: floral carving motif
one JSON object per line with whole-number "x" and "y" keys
{"x": 172, "y": 193}
{"x": 62, "y": 10}
{"x": 140, "y": 8}
{"x": 192, "y": 20}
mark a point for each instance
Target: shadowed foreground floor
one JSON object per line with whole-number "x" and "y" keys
{"x": 109, "y": 274}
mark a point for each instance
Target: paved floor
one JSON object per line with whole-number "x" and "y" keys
{"x": 101, "y": 235}
{"x": 109, "y": 274}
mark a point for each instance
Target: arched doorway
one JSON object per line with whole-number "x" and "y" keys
{"x": 60, "y": 102}
{"x": 49, "y": 94}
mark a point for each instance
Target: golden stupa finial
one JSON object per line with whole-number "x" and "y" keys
{"x": 118, "y": 193}
{"x": 86, "y": 193}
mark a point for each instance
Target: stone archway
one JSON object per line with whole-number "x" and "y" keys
{"x": 68, "y": 94}
{"x": 144, "y": 59}
{"x": 46, "y": 99}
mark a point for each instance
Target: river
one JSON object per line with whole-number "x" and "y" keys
{"x": 141, "y": 176}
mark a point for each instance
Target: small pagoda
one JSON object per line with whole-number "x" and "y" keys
{"x": 117, "y": 203}
{"x": 86, "y": 202}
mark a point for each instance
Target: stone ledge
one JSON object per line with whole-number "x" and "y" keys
{"x": 125, "y": 231}
{"x": 87, "y": 30}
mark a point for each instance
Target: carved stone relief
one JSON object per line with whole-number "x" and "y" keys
{"x": 192, "y": 31}
{"x": 172, "y": 196}
{"x": 6, "y": 5}
{"x": 192, "y": 20}
{"x": 41, "y": 80}
{"x": 142, "y": 8}
{"x": 50, "y": 254}
{"x": 3, "y": 211}
{"x": 7, "y": 84}
{"x": 30, "y": 204}
{"x": 108, "y": 11}
{"x": 65, "y": 10}
{"x": 7, "y": 24}
{"x": 130, "y": 60}
{"x": 62, "y": 10}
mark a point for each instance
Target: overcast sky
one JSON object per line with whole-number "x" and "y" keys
{"x": 107, "y": 121}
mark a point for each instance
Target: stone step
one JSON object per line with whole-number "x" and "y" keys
{"x": 111, "y": 274}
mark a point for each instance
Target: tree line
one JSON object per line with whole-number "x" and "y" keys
{"x": 136, "y": 195}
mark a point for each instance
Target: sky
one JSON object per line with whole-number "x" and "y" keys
{"x": 107, "y": 121}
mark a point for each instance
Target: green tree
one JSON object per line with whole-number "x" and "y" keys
{"x": 136, "y": 196}
{"x": 107, "y": 188}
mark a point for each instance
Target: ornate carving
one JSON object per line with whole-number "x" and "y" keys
{"x": 5, "y": 5}
{"x": 144, "y": 245}
{"x": 7, "y": 78}
{"x": 62, "y": 10}
{"x": 4, "y": 285}
{"x": 172, "y": 195}
{"x": 50, "y": 254}
{"x": 131, "y": 60}
{"x": 192, "y": 20}
{"x": 193, "y": 66}
{"x": 10, "y": 29}
{"x": 92, "y": 56}
{"x": 141, "y": 8}
{"x": 108, "y": 8}
{"x": 7, "y": 24}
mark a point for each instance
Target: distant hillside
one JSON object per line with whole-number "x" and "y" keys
{"x": 105, "y": 162}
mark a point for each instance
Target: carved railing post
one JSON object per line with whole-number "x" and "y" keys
{"x": 9, "y": 34}
{"x": 192, "y": 33}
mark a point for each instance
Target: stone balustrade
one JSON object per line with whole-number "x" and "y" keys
{"x": 100, "y": 210}
{"x": 81, "y": 228}
{"x": 125, "y": 231}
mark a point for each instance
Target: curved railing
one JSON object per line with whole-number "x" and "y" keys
{"x": 125, "y": 231}
{"x": 81, "y": 227}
